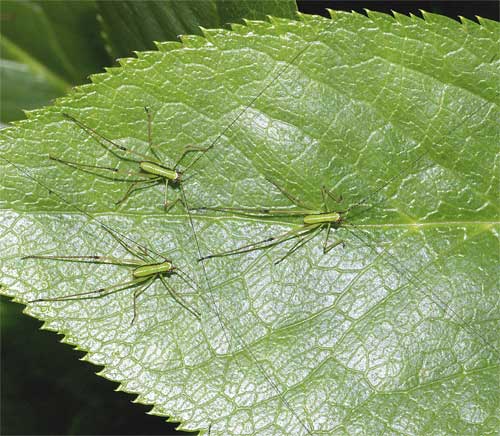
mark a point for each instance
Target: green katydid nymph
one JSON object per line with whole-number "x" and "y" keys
{"x": 146, "y": 271}
{"x": 150, "y": 170}
{"x": 312, "y": 223}
{"x": 313, "y": 220}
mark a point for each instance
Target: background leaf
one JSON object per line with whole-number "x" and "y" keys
{"x": 65, "y": 396}
{"x": 74, "y": 42}
{"x": 37, "y": 69}
{"x": 346, "y": 337}
{"x": 131, "y": 25}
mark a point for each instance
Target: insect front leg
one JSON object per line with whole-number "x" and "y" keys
{"x": 189, "y": 149}
{"x": 178, "y": 298}
{"x": 166, "y": 205}
{"x": 326, "y": 193}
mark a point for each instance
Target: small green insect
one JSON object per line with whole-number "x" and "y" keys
{"x": 312, "y": 223}
{"x": 146, "y": 271}
{"x": 150, "y": 170}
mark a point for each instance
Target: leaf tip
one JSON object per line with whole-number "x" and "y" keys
{"x": 167, "y": 46}
{"x": 425, "y": 15}
{"x": 484, "y": 21}
{"x": 332, "y": 12}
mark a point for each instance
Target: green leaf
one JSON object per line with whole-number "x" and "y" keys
{"x": 395, "y": 333}
{"x": 36, "y": 69}
{"x": 69, "y": 47}
{"x": 131, "y": 25}
{"x": 24, "y": 87}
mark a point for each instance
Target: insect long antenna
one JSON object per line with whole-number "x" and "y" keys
{"x": 112, "y": 146}
{"x": 254, "y": 99}
{"x": 411, "y": 164}
{"x": 186, "y": 279}
{"x": 79, "y": 209}
{"x": 225, "y": 328}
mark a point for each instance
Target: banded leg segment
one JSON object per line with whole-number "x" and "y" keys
{"x": 98, "y": 293}
{"x": 299, "y": 244}
{"x": 265, "y": 243}
{"x": 108, "y": 260}
{"x": 109, "y": 173}
{"x": 260, "y": 211}
{"x": 178, "y": 298}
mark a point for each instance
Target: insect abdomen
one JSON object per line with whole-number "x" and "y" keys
{"x": 321, "y": 218}
{"x": 155, "y": 268}
{"x": 159, "y": 170}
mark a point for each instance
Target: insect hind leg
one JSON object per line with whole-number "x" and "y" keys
{"x": 264, "y": 243}
{"x": 105, "y": 172}
{"x": 328, "y": 247}
{"x": 136, "y": 186}
{"x": 299, "y": 244}
{"x": 91, "y": 295}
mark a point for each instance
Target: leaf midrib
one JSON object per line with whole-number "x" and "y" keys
{"x": 291, "y": 221}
